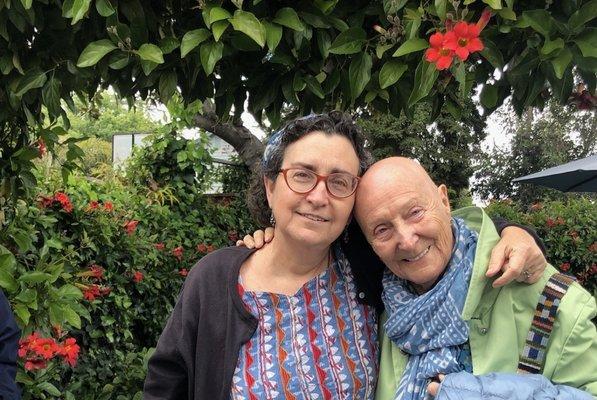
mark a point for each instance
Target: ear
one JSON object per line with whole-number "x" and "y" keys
{"x": 443, "y": 194}
{"x": 269, "y": 189}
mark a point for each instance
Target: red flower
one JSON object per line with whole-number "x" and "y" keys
{"x": 34, "y": 364}
{"x": 45, "y": 201}
{"x": 108, "y": 206}
{"x": 485, "y": 16}
{"x": 177, "y": 253}
{"x": 27, "y": 343}
{"x": 64, "y": 201}
{"x": 138, "y": 276}
{"x": 69, "y": 350}
{"x": 536, "y": 206}
{"x": 593, "y": 247}
{"x": 91, "y": 292}
{"x": 130, "y": 227}
{"x": 45, "y": 347}
{"x": 93, "y": 205}
{"x": 210, "y": 248}
{"x": 565, "y": 266}
{"x": 96, "y": 271}
{"x": 464, "y": 40}
{"x": 202, "y": 248}
{"x": 550, "y": 222}
{"x": 439, "y": 53}
{"x": 159, "y": 246}
{"x": 183, "y": 272}
{"x": 41, "y": 147}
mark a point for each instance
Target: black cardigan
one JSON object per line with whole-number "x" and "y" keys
{"x": 198, "y": 350}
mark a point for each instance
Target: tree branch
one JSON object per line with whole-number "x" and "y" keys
{"x": 248, "y": 146}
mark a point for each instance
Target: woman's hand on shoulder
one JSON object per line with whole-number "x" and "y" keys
{"x": 517, "y": 256}
{"x": 259, "y": 238}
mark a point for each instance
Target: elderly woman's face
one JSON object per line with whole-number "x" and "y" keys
{"x": 315, "y": 218}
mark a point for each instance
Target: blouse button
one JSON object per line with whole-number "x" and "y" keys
{"x": 361, "y": 295}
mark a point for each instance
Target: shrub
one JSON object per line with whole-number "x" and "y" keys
{"x": 568, "y": 231}
{"x": 100, "y": 264}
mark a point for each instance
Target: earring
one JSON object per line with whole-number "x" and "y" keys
{"x": 272, "y": 220}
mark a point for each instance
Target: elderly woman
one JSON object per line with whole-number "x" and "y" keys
{"x": 289, "y": 320}
{"x": 443, "y": 316}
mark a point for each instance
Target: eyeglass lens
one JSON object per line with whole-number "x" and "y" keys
{"x": 339, "y": 184}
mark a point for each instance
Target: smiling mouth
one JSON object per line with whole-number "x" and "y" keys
{"x": 313, "y": 217}
{"x": 418, "y": 256}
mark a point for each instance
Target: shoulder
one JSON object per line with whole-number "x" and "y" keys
{"x": 218, "y": 265}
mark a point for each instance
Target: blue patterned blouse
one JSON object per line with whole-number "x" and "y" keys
{"x": 319, "y": 343}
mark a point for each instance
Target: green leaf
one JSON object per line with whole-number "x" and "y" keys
{"x": 586, "y": 13}
{"x": 35, "y": 277}
{"x": 288, "y": 17}
{"x": 273, "y": 35}
{"x": 26, "y": 4}
{"x": 359, "y": 73}
{"x": 33, "y": 79}
{"x": 390, "y": 73}
{"x": 151, "y": 52}
{"x": 248, "y": 24}
{"x": 410, "y": 46}
{"x": 104, "y": 8}
{"x": 167, "y": 86}
{"x": 440, "y": 8}
{"x": 218, "y": 29}
{"x": 79, "y": 9}
{"x": 349, "y": 42}
{"x": 50, "y": 95}
{"x": 210, "y": 53}
{"x": 492, "y": 54}
{"x": 70, "y": 292}
{"x": 7, "y": 281}
{"x": 23, "y": 313}
{"x": 381, "y": 49}
{"x": 540, "y": 20}
{"x": 119, "y": 60}
{"x": 49, "y": 388}
{"x": 587, "y": 43}
{"x": 169, "y": 44}
{"x": 314, "y": 86}
{"x": 192, "y": 39}
{"x": 551, "y": 46}
{"x": 507, "y": 13}
{"x": 560, "y": 63}
{"x": 489, "y": 96}
{"x": 218, "y": 14}
{"x": 27, "y": 296}
{"x": 5, "y": 64}
{"x": 71, "y": 317}
{"x": 425, "y": 76}
{"x": 94, "y": 52}
{"x": 495, "y": 4}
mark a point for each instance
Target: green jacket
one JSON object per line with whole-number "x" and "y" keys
{"x": 499, "y": 320}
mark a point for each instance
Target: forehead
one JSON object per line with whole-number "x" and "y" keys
{"x": 386, "y": 195}
{"x": 323, "y": 153}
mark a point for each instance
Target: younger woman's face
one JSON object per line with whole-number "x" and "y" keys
{"x": 315, "y": 218}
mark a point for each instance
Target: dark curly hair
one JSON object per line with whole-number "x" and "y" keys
{"x": 332, "y": 123}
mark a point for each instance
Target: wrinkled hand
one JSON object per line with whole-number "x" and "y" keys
{"x": 517, "y": 256}
{"x": 433, "y": 387}
{"x": 258, "y": 240}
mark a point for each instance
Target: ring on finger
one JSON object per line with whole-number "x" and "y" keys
{"x": 526, "y": 274}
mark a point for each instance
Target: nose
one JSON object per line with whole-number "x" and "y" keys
{"x": 406, "y": 238}
{"x": 319, "y": 196}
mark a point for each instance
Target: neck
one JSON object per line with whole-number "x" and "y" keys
{"x": 288, "y": 259}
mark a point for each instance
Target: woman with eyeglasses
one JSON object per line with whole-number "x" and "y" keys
{"x": 291, "y": 320}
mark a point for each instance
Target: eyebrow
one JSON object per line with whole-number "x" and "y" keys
{"x": 311, "y": 167}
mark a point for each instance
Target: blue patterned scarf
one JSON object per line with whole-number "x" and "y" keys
{"x": 428, "y": 327}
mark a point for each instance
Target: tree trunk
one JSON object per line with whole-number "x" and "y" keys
{"x": 247, "y": 145}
